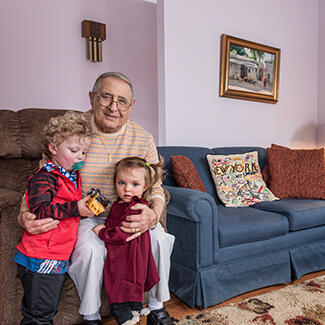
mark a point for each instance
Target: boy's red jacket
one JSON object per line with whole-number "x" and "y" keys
{"x": 55, "y": 196}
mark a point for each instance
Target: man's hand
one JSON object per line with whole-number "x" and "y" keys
{"x": 27, "y": 220}
{"x": 98, "y": 228}
{"x": 138, "y": 223}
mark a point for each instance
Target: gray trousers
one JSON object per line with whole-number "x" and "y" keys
{"x": 87, "y": 264}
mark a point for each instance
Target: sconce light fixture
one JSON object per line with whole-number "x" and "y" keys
{"x": 94, "y": 33}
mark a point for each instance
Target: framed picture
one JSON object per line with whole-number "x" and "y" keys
{"x": 249, "y": 70}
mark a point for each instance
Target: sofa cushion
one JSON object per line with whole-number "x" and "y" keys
{"x": 301, "y": 213}
{"x": 9, "y": 135}
{"x": 197, "y": 156}
{"x": 32, "y": 121}
{"x": 246, "y": 224}
{"x": 186, "y": 174}
{"x": 262, "y": 157}
{"x": 8, "y": 198}
{"x": 238, "y": 179}
{"x": 294, "y": 173}
{"x": 14, "y": 173}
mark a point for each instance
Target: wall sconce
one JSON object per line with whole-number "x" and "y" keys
{"x": 95, "y": 33}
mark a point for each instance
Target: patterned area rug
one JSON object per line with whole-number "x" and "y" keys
{"x": 298, "y": 304}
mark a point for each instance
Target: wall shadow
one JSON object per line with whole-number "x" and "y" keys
{"x": 305, "y": 137}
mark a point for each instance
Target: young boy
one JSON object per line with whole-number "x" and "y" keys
{"x": 53, "y": 191}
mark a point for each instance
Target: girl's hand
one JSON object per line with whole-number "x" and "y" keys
{"x": 98, "y": 228}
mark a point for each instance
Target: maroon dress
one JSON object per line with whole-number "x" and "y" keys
{"x": 129, "y": 269}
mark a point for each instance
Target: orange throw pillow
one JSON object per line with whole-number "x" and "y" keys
{"x": 296, "y": 173}
{"x": 185, "y": 173}
{"x": 266, "y": 171}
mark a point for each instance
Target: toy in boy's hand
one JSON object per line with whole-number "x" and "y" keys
{"x": 97, "y": 203}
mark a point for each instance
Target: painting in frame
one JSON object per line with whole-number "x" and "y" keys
{"x": 249, "y": 70}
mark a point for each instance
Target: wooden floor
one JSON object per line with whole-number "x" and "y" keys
{"x": 178, "y": 309}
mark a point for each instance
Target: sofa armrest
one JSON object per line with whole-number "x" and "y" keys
{"x": 192, "y": 217}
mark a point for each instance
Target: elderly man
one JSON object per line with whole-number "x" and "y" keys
{"x": 115, "y": 137}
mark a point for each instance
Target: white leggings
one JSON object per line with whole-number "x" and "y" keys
{"x": 88, "y": 257}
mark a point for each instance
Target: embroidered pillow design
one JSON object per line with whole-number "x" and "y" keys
{"x": 238, "y": 179}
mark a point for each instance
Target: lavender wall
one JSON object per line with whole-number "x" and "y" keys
{"x": 43, "y": 64}
{"x": 43, "y": 56}
{"x": 321, "y": 76}
{"x": 194, "y": 112}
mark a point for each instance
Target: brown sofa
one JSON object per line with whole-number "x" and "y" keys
{"x": 20, "y": 134}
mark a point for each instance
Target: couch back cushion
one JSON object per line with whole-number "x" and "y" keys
{"x": 262, "y": 154}
{"x": 20, "y": 148}
{"x": 20, "y": 131}
{"x": 32, "y": 121}
{"x": 198, "y": 157}
{"x": 9, "y": 134}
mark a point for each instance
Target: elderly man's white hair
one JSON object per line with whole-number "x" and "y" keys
{"x": 117, "y": 75}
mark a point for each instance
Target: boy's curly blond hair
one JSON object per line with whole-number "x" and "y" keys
{"x": 63, "y": 126}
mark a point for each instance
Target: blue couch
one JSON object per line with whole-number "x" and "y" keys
{"x": 222, "y": 252}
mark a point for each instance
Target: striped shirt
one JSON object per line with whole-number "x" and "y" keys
{"x": 130, "y": 140}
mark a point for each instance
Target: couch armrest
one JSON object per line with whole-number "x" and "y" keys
{"x": 192, "y": 217}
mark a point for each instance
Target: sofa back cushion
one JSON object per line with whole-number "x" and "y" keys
{"x": 20, "y": 148}
{"x": 262, "y": 154}
{"x": 15, "y": 172}
{"x": 32, "y": 121}
{"x": 20, "y": 131}
{"x": 9, "y": 134}
{"x": 198, "y": 157}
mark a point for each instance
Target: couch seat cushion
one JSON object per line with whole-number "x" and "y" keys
{"x": 301, "y": 213}
{"x": 246, "y": 224}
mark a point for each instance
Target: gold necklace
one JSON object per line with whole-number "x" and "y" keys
{"x": 97, "y": 132}
{"x": 109, "y": 153}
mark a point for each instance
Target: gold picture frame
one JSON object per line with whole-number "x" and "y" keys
{"x": 249, "y": 70}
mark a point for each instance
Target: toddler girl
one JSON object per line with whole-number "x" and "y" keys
{"x": 129, "y": 269}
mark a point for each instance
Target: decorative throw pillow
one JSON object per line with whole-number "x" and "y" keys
{"x": 296, "y": 173}
{"x": 238, "y": 179}
{"x": 185, "y": 173}
{"x": 266, "y": 171}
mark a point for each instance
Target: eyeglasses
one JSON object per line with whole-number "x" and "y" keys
{"x": 107, "y": 100}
